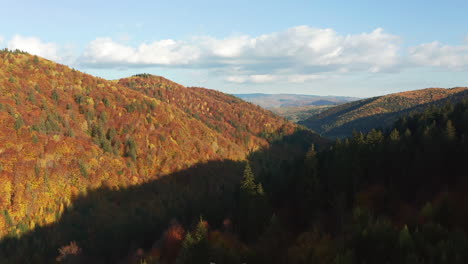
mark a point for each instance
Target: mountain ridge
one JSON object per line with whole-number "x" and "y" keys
{"x": 363, "y": 115}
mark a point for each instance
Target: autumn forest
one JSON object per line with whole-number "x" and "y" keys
{"x": 145, "y": 170}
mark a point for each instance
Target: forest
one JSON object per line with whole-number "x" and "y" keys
{"x": 379, "y": 112}
{"x": 143, "y": 170}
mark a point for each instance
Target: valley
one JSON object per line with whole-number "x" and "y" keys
{"x": 143, "y": 169}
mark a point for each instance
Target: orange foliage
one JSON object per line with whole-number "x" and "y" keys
{"x": 63, "y": 132}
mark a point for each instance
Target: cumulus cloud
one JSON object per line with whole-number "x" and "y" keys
{"x": 254, "y": 78}
{"x": 104, "y": 52}
{"x": 311, "y": 49}
{"x": 300, "y": 49}
{"x": 268, "y": 78}
{"x": 296, "y": 55}
{"x": 1, "y": 39}
{"x": 437, "y": 54}
{"x": 35, "y": 46}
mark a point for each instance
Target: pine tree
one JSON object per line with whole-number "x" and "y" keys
{"x": 450, "y": 132}
{"x": 308, "y": 184}
{"x": 195, "y": 248}
{"x": 253, "y": 206}
{"x": 131, "y": 149}
{"x": 407, "y": 133}
{"x": 395, "y": 135}
{"x": 248, "y": 185}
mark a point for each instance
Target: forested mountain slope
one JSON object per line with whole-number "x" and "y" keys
{"x": 64, "y": 133}
{"x": 237, "y": 120}
{"x": 82, "y": 161}
{"x": 382, "y": 111}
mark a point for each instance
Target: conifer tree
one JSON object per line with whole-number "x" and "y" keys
{"x": 253, "y": 206}
{"x": 395, "y": 135}
{"x": 195, "y": 246}
{"x": 450, "y": 132}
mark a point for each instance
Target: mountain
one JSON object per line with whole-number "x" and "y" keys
{"x": 64, "y": 133}
{"x": 290, "y": 100}
{"x": 363, "y": 115}
{"x": 144, "y": 170}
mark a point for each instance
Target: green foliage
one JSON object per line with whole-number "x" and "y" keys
{"x": 55, "y": 96}
{"x": 49, "y": 123}
{"x": 395, "y": 135}
{"x": 32, "y": 97}
{"x": 106, "y": 101}
{"x": 131, "y": 149}
{"x": 83, "y": 169}
{"x": 450, "y": 131}
{"x": 143, "y": 75}
{"x": 19, "y": 123}
{"x": 8, "y": 219}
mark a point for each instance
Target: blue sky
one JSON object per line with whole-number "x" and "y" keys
{"x": 355, "y": 48}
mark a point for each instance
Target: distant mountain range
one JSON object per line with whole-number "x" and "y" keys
{"x": 379, "y": 112}
{"x": 291, "y": 100}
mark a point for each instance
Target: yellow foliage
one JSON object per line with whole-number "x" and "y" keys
{"x": 93, "y": 163}
{"x": 5, "y": 192}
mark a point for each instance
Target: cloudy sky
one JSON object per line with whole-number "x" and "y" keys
{"x": 358, "y": 48}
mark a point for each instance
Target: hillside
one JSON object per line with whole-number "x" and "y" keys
{"x": 235, "y": 119}
{"x": 64, "y": 133}
{"x": 382, "y": 111}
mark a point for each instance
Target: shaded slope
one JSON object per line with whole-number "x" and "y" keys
{"x": 363, "y": 115}
{"x": 110, "y": 225}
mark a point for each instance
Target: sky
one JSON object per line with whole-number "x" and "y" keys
{"x": 351, "y": 48}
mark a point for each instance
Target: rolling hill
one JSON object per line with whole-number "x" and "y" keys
{"x": 379, "y": 112}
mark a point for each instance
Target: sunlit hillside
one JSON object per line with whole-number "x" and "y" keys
{"x": 64, "y": 132}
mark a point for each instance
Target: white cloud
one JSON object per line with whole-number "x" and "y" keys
{"x": 255, "y": 78}
{"x": 270, "y": 78}
{"x": 302, "y": 50}
{"x": 299, "y": 54}
{"x": 302, "y": 78}
{"x": 232, "y": 47}
{"x": 439, "y": 55}
{"x": 35, "y": 46}
{"x": 1, "y": 39}
{"x": 104, "y": 52}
